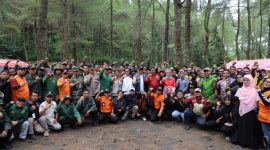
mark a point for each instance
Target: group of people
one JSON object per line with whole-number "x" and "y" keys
{"x": 40, "y": 98}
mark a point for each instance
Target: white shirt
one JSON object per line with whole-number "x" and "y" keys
{"x": 127, "y": 84}
{"x": 49, "y": 113}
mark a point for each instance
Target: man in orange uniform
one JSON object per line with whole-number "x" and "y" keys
{"x": 63, "y": 85}
{"x": 19, "y": 85}
{"x": 106, "y": 107}
{"x": 158, "y": 100}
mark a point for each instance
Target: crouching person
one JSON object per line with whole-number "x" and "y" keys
{"x": 5, "y": 128}
{"x": 67, "y": 114}
{"x": 158, "y": 99}
{"x": 106, "y": 108}
{"x": 46, "y": 112}
{"x": 87, "y": 109}
{"x": 119, "y": 107}
{"x": 18, "y": 114}
{"x": 131, "y": 105}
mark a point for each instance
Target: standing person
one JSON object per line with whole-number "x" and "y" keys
{"x": 50, "y": 81}
{"x": 76, "y": 84}
{"x": 182, "y": 82}
{"x": 117, "y": 83}
{"x": 153, "y": 79}
{"x": 207, "y": 85}
{"x": 46, "y": 112}
{"x": 106, "y": 107}
{"x": 127, "y": 82}
{"x": 19, "y": 85}
{"x": 248, "y": 127}
{"x": 63, "y": 85}
{"x": 264, "y": 110}
{"x": 5, "y": 87}
{"x": 223, "y": 84}
{"x": 5, "y": 127}
{"x": 105, "y": 78}
{"x": 168, "y": 82}
{"x": 33, "y": 80}
{"x": 18, "y": 114}
{"x": 91, "y": 82}
{"x": 158, "y": 99}
{"x": 139, "y": 79}
{"x": 87, "y": 108}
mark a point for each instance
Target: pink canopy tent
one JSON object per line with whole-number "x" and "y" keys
{"x": 12, "y": 63}
{"x": 263, "y": 63}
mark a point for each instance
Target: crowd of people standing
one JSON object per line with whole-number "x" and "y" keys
{"x": 40, "y": 98}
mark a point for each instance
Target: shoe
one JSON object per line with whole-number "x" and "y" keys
{"x": 5, "y": 146}
{"x": 144, "y": 119}
{"x": 94, "y": 123}
{"x": 22, "y": 139}
{"x": 32, "y": 137}
{"x": 188, "y": 127}
{"x": 46, "y": 133}
{"x": 227, "y": 138}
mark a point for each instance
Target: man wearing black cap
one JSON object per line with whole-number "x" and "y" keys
{"x": 106, "y": 107}
{"x": 18, "y": 114}
{"x": 5, "y": 127}
{"x": 47, "y": 118}
{"x": 131, "y": 105}
{"x": 68, "y": 114}
{"x": 158, "y": 99}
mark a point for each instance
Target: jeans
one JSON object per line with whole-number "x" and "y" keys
{"x": 47, "y": 123}
{"x": 266, "y": 133}
{"x": 190, "y": 116}
{"x": 178, "y": 115}
{"x": 22, "y": 129}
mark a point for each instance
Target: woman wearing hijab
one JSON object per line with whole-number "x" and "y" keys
{"x": 248, "y": 131}
{"x": 168, "y": 82}
{"x": 264, "y": 111}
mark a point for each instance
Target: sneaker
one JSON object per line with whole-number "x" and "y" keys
{"x": 188, "y": 127}
{"x": 32, "y": 137}
{"x": 46, "y": 133}
{"x": 144, "y": 119}
{"x": 227, "y": 138}
{"x": 22, "y": 139}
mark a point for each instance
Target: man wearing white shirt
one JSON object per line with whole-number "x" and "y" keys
{"x": 47, "y": 117}
{"x": 127, "y": 82}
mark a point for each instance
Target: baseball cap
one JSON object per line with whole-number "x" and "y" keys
{"x": 198, "y": 90}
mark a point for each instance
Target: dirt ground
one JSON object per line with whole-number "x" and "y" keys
{"x": 130, "y": 135}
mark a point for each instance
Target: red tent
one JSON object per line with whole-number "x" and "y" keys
{"x": 263, "y": 63}
{"x": 12, "y": 63}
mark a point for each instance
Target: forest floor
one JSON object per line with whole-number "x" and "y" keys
{"x": 130, "y": 135}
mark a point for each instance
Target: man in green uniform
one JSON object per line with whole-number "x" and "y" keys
{"x": 87, "y": 108}
{"x": 105, "y": 79}
{"x": 33, "y": 80}
{"x": 18, "y": 114}
{"x": 207, "y": 85}
{"x": 50, "y": 82}
{"x": 76, "y": 83}
{"x": 68, "y": 114}
{"x": 5, "y": 128}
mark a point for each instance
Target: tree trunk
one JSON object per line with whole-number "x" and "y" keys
{"x": 73, "y": 35}
{"x": 206, "y": 22}
{"x": 249, "y": 30}
{"x": 153, "y": 33}
{"x": 237, "y": 32}
{"x": 65, "y": 34}
{"x": 177, "y": 15}
{"x": 111, "y": 30}
{"x": 138, "y": 35}
{"x": 41, "y": 30}
{"x": 188, "y": 30}
{"x": 166, "y": 32}
{"x": 260, "y": 40}
{"x": 268, "y": 52}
